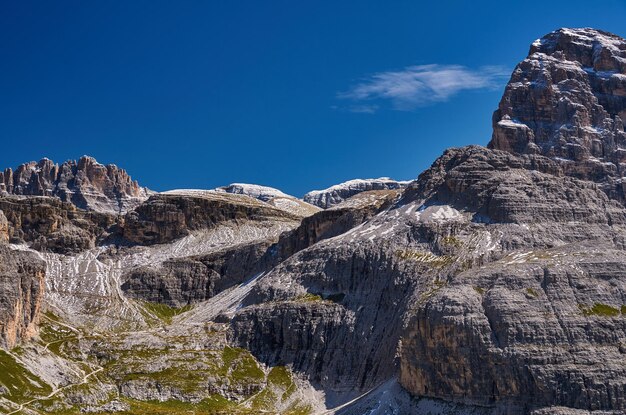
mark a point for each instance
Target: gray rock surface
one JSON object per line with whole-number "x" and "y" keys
{"x": 338, "y": 193}
{"x": 188, "y": 280}
{"x": 84, "y": 183}
{"x": 166, "y": 217}
{"x": 340, "y": 309}
{"x": 48, "y": 224}
{"x": 4, "y": 228}
{"x": 264, "y": 193}
{"x": 567, "y": 100}
{"x": 329, "y": 223}
{"x": 21, "y": 295}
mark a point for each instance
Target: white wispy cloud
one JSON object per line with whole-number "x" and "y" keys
{"x": 419, "y": 85}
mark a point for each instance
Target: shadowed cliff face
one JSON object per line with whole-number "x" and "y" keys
{"x": 166, "y": 217}
{"x": 539, "y": 322}
{"x": 48, "y": 224}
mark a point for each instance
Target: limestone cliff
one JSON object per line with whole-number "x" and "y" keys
{"x": 567, "y": 101}
{"x": 21, "y": 295}
{"x": 84, "y": 183}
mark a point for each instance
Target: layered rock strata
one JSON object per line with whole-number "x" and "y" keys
{"x": 84, "y": 183}
{"x": 338, "y": 193}
{"x": 21, "y": 295}
{"x": 567, "y": 101}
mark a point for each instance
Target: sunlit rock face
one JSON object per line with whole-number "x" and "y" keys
{"x": 84, "y": 183}
{"x": 493, "y": 284}
{"x": 21, "y": 295}
{"x": 567, "y": 101}
{"x": 336, "y": 194}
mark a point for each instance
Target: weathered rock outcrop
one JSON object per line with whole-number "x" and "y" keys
{"x": 567, "y": 101}
{"x": 539, "y": 328}
{"x": 4, "y": 228}
{"x": 84, "y": 183}
{"x": 523, "y": 327}
{"x": 48, "y": 224}
{"x": 340, "y": 192}
{"x": 331, "y": 222}
{"x": 21, "y": 295}
{"x": 264, "y": 193}
{"x": 189, "y": 280}
{"x": 166, "y": 217}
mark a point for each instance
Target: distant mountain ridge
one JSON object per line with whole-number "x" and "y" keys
{"x": 84, "y": 183}
{"x": 107, "y": 188}
{"x": 336, "y": 194}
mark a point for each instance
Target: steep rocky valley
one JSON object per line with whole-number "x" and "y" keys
{"x": 493, "y": 283}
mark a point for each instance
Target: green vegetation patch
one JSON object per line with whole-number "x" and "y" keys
{"x": 280, "y": 377}
{"x": 215, "y": 404}
{"x": 59, "y": 339}
{"x": 599, "y": 309}
{"x": 231, "y": 367}
{"x": 240, "y": 365}
{"x": 532, "y": 292}
{"x": 164, "y": 312}
{"x": 308, "y": 298}
{"x": 20, "y": 384}
{"x": 427, "y": 258}
{"x": 452, "y": 242}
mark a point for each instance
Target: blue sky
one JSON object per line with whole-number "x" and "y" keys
{"x": 297, "y": 95}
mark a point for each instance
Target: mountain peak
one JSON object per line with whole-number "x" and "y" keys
{"x": 336, "y": 194}
{"x": 85, "y": 183}
{"x": 264, "y": 193}
{"x": 567, "y": 101}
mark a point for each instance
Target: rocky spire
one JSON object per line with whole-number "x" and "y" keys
{"x": 85, "y": 183}
{"x": 567, "y": 100}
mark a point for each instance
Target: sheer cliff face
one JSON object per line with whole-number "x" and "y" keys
{"x": 21, "y": 295}
{"x": 536, "y": 321}
{"x": 567, "y": 101}
{"x": 86, "y": 183}
{"x": 497, "y": 278}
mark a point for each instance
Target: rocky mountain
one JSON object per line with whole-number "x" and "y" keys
{"x": 494, "y": 283}
{"x": 567, "y": 101}
{"x": 263, "y": 193}
{"x": 338, "y": 193}
{"x": 84, "y": 183}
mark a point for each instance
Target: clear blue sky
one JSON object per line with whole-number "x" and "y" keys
{"x": 297, "y": 95}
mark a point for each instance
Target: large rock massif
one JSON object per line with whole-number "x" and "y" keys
{"x": 567, "y": 101}
{"x": 84, "y": 183}
{"x": 494, "y": 283}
